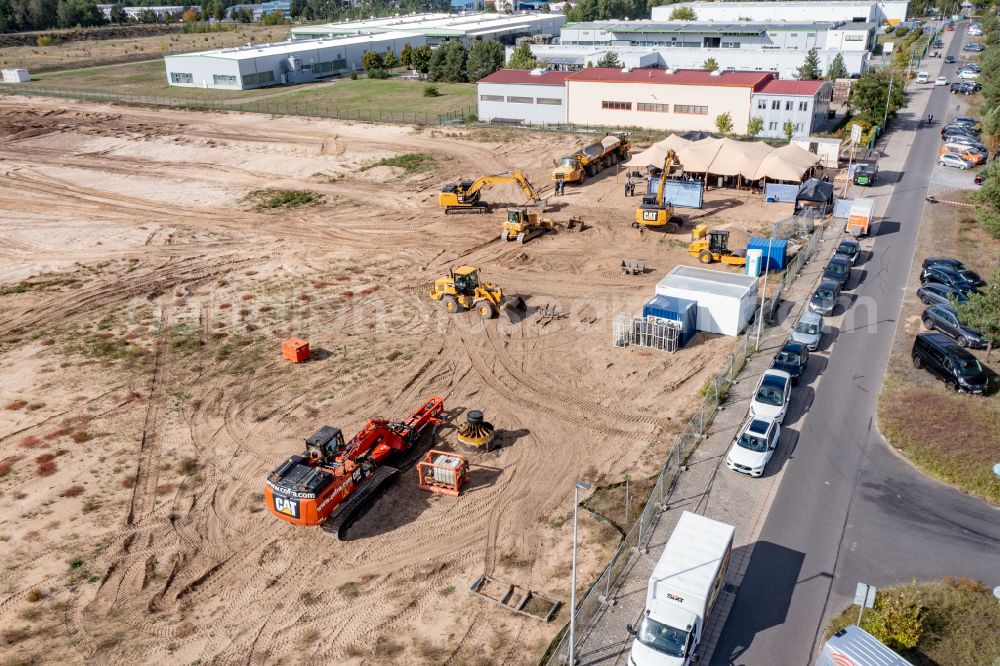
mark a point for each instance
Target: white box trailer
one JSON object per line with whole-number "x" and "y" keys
{"x": 16, "y": 76}
{"x": 860, "y": 218}
{"x": 856, "y": 647}
{"x": 685, "y": 583}
{"x": 726, "y": 301}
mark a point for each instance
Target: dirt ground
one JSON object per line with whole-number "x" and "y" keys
{"x": 142, "y": 305}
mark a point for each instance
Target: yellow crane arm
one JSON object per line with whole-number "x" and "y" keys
{"x": 668, "y": 161}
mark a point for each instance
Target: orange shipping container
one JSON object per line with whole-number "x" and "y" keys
{"x": 295, "y": 350}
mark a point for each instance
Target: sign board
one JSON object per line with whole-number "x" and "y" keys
{"x": 776, "y": 192}
{"x": 855, "y": 133}
{"x": 679, "y": 193}
{"x": 865, "y": 595}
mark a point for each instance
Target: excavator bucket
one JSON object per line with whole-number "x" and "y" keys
{"x": 513, "y": 309}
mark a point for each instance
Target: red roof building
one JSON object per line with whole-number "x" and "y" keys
{"x": 790, "y": 87}
{"x": 682, "y": 77}
{"x": 527, "y": 77}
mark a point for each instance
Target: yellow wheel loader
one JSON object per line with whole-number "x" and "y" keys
{"x": 462, "y": 290}
{"x": 523, "y": 225}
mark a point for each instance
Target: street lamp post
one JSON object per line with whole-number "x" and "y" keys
{"x": 763, "y": 299}
{"x": 577, "y": 487}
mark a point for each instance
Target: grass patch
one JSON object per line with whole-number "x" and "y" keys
{"x": 410, "y": 162}
{"x": 956, "y": 622}
{"x": 272, "y": 197}
{"x": 350, "y": 590}
{"x": 609, "y": 501}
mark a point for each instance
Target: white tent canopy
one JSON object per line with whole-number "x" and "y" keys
{"x": 739, "y": 158}
{"x": 752, "y": 160}
{"x": 786, "y": 163}
{"x": 698, "y": 156}
{"x": 655, "y": 154}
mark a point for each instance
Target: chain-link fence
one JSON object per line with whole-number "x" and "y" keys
{"x": 714, "y": 394}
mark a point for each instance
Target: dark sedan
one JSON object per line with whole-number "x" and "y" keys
{"x": 944, "y": 319}
{"x": 850, "y": 249}
{"x": 838, "y": 270}
{"x": 949, "y": 59}
{"x": 957, "y": 266}
{"x": 792, "y": 358}
{"x": 945, "y": 275}
{"x": 933, "y": 293}
{"x": 824, "y": 299}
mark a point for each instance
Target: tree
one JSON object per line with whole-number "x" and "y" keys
{"x": 485, "y": 57}
{"x": 982, "y": 310}
{"x": 809, "y": 71}
{"x": 273, "y": 18}
{"x": 755, "y": 126}
{"x": 449, "y": 62}
{"x": 710, "y": 65}
{"x": 870, "y": 93}
{"x": 683, "y": 14}
{"x": 420, "y": 59}
{"x": 789, "y": 129}
{"x": 406, "y": 55}
{"x": 724, "y": 123}
{"x": 189, "y": 16}
{"x": 389, "y": 59}
{"x": 609, "y": 59}
{"x": 84, "y": 13}
{"x": 837, "y": 69}
{"x": 523, "y": 58}
{"x": 897, "y": 618}
{"x": 371, "y": 60}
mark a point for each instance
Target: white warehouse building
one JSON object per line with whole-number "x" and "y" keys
{"x": 262, "y": 65}
{"x": 517, "y": 96}
{"x": 867, "y": 11}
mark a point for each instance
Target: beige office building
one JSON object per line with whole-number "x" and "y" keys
{"x": 661, "y": 99}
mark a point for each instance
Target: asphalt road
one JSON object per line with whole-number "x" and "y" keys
{"x": 848, "y": 509}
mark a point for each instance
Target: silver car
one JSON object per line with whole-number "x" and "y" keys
{"x": 954, "y": 161}
{"x": 808, "y": 330}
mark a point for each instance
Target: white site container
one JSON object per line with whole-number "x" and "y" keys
{"x": 16, "y": 76}
{"x": 726, "y": 301}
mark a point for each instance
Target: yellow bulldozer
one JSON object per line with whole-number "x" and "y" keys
{"x": 654, "y": 211}
{"x": 464, "y": 196}
{"x": 461, "y": 290}
{"x": 713, "y": 245}
{"x": 522, "y": 225}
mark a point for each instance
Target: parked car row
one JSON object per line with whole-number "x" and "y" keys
{"x": 944, "y": 284}
{"x": 755, "y": 442}
{"x": 961, "y": 147}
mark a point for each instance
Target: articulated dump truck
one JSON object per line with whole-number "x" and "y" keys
{"x": 592, "y": 159}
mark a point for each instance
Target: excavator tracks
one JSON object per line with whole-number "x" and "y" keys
{"x": 342, "y": 517}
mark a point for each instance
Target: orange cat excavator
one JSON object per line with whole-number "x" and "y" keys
{"x": 330, "y": 481}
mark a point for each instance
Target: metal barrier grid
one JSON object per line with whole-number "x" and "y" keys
{"x": 714, "y": 394}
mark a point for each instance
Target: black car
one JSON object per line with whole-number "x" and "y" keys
{"x": 949, "y": 59}
{"x": 850, "y": 249}
{"x": 959, "y": 128}
{"x": 967, "y": 120}
{"x": 945, "y": 275}
{"x": 957, "y": 266}
{"x": 938, "y": 44}
{"x": 865, "y": 174}
{"x": 963, "y": 88}
{"x": 974, "y": 47}
{"x": 792, "y": 358}
{"x": 838, "y": 269}
{"x": 933, "y": 293}
{"x": 941, "y": 357}
{"x": 944, "y": 318}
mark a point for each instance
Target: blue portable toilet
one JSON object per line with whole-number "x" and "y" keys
{"x": 676, "y": 309}
{"x": 773, "y": 252}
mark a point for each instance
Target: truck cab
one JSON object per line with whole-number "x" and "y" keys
{"x": 666, "y": 636}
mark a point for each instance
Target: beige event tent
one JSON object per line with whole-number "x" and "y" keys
{"x": 788, "y": 163}
{"x": 738, "y": 158}
{"x": 697, "y": 157}
{"x": 655, "y": 154}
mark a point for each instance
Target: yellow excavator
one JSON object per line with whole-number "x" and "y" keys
{"x": 461, "y": 290}
{"x": 464, "y": 196}
{"x": 522, "y": 225}
{"x": 713, "y": 245}
{"x": 654, "y": 211}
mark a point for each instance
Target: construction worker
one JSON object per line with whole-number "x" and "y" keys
{"x": 629, "y": 186}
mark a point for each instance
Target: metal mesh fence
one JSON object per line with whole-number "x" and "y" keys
{"x": 714, "y": 395}
{"x": 629, "y": 330}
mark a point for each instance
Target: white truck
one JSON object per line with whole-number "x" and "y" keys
{"x": 685, "y": 584}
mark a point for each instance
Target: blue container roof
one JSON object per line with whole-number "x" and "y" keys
{"x": 778, "y": 247}
{"x": 670, "y": 303}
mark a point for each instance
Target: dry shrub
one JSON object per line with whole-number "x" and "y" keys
{"x": 305, "y": 297}
{"x": 320, "y": 285}
{"x": 369, "y": 290}
{"x": 7, "y": 463}
{"x": 180, "y": 301}
{"x": 244, "y": 312}
{"x": 44, "y": 458}
{"x": 16, "y": 404}
{"x": 30, "y": 442}
{"x": 225, "y": 306}
{"x": 246, "y": 297}
{"x": 130, "y": 336}
{"x": 342, "y": 278}
{"x": 34, "y": 595}
{"x": 47, "y": 343}
{"x": 128, "y": 481}
{"x": 33, "y": 535}
{"x": 348, "y": 294}
{"x": 81, "y": 436}
{"x": 56, "y": 434}
{"x": 164, "y": 488}
{"x": 32, "y": 406}
{"x": 72, "y": 491}
{"x": 46, "y": 469}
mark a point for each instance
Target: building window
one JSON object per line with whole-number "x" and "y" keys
{"x": 810, "y": 34}
{"x": 803, "y": 106}
{"x": 793, "y": 34}
{"x": 853, "y": 38}
{"x": 731, "y": 45}
{"x": 658, "y": 108}
{"x": 181, "y": 77}
{"x": 520, "y": 100}
{"x": 618, "y": 106}
{"x": 554, "y": 101}
{"x": 688, "y": 108}
{"x": 223, "y": 80}
{"x": 761, "y": 103}
{"x": 776, "y": 104}
{"x": 491, "y": 98}
{"x": 772, "y": 126}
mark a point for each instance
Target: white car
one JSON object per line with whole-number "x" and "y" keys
{"x": 753, "y": 446}
{"x": 968, "y": 75}
{"x": 770, "y": 400}
{"x": 923, "y": 77}
{"x": 809, "y": 329}
{"x": 956, "y": 161}
{"x": 941, "y": 81}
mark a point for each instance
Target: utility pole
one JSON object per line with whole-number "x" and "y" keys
{"x": 885, "y": 117}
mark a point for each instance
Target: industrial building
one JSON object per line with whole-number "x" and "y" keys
{"x": 574, "y": 58}
{"x": 805, "y": 104}
{"x": 776, "y": 46}
{"x": 517, "y": 96}
{"x": 865, "y": 11}
{"x": 437, "y": 28}
{"x": 160, "y": 11}
{"x": 247, "y": 67}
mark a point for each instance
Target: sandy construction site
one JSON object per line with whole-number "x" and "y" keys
{"x": 142, "y": 304}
